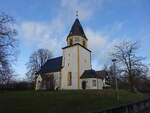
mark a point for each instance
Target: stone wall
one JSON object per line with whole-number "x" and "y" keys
{"x": 130, "y": 108}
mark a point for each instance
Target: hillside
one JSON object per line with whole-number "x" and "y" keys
{"x": 63, "y": 101}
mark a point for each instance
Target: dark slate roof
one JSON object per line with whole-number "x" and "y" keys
{"x": 77, "y": 29}
{"x": 89, "y": 74}
{"x": 52, "y": 65}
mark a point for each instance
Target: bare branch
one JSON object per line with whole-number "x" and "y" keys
{"x": 36, "y": 60}
{"x": 131, "y": 65}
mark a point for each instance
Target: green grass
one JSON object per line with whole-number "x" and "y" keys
{"x": 63, "y": 101}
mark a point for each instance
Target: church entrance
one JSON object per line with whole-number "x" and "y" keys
{"x": 83, "y": 84}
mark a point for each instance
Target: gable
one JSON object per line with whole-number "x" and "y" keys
{"x": 39, "y": 78}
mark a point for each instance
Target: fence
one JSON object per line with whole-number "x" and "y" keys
{"x": 129, "y": 108}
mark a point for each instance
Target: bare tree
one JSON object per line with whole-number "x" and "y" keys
{"x": 7, "y": 47}
{"x": 130, "y": 64}
{"x": 36, "y": 60}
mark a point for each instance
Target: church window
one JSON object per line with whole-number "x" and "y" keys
{"x": 77, "y": 39}
{"x": 84, "y": 43}
{"x": 69, "y": 78}
{"x": 70, "y": 42}
{"x": 94, "y": 83}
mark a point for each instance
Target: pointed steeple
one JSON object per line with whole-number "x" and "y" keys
{"x": 77, "y": 29}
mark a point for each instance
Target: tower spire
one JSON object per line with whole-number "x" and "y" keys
{"x": 76, "y": 29}
{"x": 77, "y": 14}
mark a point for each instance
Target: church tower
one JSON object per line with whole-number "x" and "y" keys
{"x": 77, "y": 35}
{"x": 76, "y": 57}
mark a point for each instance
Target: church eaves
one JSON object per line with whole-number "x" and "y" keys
{"x": 77, "y": 29}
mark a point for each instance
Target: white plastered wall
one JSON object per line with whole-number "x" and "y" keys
{"x": 85, "y": 60}
{"x": 70, "y": 65}
{"x": 89, "y": 83}
{"x": 57, "y": 78}
{"x": 71, "y": 61}
{"x": 57, "y": 81}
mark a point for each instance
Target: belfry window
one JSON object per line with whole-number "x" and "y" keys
{"x": 69, "y": 78}
{"x": 70, "y": 42}
{"x": 84, "y": 43}
{"x": 76, "y": 39}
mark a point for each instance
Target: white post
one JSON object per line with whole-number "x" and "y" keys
{"x": 116, "y": 82}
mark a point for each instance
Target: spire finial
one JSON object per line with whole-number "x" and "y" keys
{"x": 77, "y": 14}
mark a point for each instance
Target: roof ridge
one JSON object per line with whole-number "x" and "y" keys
{"x": 55, "y": 58}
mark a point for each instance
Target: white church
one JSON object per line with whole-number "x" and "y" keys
{"x": 72, "y": 70}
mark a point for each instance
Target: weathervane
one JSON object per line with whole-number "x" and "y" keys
{"x": 77, "y": 15}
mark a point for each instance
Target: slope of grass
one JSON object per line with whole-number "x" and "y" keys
{"x": 63, "y": 101}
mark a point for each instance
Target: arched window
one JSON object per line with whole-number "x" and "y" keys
{"x": 84, "y": 43}
{"x": 70, "y": 42}
{"x": 77, "y": 39}
{"x": 69, "y": 78}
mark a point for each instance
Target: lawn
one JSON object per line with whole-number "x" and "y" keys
{"x": 80, "y": 101}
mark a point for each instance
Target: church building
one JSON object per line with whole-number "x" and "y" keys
{"x": 72, "y": 70}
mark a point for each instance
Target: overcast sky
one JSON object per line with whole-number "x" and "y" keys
{"x": 46, "y": 24}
